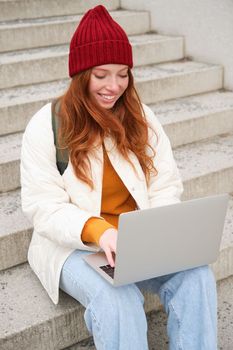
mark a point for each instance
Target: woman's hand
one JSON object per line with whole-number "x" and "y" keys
{"x": 108, "y": 243}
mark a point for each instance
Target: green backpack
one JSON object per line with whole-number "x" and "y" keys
{"x": 62, "y": 155}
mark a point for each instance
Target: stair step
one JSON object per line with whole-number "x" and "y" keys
{"x": 193, "y": 118}
{"x": 185, "y": 120}
{"x": 15, "y": 231}
{"x": 22, "y": 9}
{"x": 47, "y": 64}
{"x": 225, "y": 314}
{"x": 43, "y": 325}
{"x": 206, "y": 167}
{"x": 157, "y": 322}
{"x": 155, "y": 83}
{"x": 10, "y": 147}
{"x": 34, "y": 33}
{"x": 176, "y": 79}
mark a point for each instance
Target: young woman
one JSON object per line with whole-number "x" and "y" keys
{"x": 119, "y": 159}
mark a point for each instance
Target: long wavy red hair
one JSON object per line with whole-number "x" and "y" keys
{"x": 84, "y": 124}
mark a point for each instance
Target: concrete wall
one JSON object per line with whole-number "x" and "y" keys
{"x": 207, "y": 26}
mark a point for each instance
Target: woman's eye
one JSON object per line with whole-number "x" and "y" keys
{"x": 99, "y": 76}
{"x": 103, "y": 76}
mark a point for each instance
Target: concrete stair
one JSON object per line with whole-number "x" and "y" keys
{"x": 194, "y": 118}
{"x": 188, "y": 98}
{"x": 157, "y": 82}
{"x": 23, "y": 9}
{"x": 201, "y": 172}
{"x": 40, "y": 32}
{"x": 45, "y": 64}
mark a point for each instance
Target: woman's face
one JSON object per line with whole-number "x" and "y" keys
{"x": 107, "y": 83}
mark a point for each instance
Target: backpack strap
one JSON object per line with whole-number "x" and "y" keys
{"x": 62, "y": 155}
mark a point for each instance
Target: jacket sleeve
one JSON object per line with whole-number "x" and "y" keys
{"x": 93, "y": 230}
{"x": 166, "y": 187}
{"x": 44, "y": 198}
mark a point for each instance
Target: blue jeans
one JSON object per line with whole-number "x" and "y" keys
{"x": 115, "y": 315}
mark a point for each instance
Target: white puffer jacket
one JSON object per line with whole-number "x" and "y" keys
{"x": 59, "y": 206}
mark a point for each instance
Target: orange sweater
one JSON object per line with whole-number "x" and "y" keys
{"x": 116, "y": 199}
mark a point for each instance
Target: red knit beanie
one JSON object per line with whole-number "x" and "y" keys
{"x": 98, "y": 40}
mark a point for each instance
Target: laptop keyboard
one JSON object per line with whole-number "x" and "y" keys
{"x": 108, "y": 269}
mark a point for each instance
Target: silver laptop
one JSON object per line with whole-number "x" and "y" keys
{"x": 159, "y": 241}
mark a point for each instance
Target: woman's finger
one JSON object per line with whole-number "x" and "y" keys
{"x": 109, "y": 256}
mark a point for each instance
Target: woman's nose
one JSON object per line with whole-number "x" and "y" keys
{"x": 113, "y": 85}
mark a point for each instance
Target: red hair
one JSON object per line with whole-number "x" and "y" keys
{"x": 84, "y": 124}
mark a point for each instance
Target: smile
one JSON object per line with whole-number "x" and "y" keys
{"x": 107, "y": 97}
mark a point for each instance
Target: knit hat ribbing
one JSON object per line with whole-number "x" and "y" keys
{"x": 98, "y": 40}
